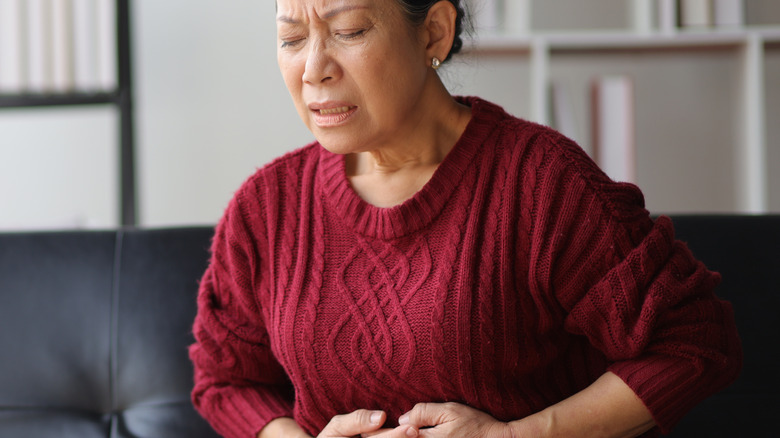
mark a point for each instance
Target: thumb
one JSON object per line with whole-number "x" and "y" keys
{"x": 425, "y": 415}
{"x": 354, "y": 423}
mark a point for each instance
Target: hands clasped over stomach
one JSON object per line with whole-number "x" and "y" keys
{"x": 425, "y": 420}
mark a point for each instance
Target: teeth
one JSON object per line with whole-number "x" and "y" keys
{"x": 338, "y": 110}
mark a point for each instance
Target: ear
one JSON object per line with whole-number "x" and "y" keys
{"x": 440, "y": 29}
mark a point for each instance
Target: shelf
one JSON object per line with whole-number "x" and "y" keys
{"x": 43, "y": 100}
{"x": 121, "y": 98}
{"x": 707, "y": 93}
{"x": 623, "y": 40}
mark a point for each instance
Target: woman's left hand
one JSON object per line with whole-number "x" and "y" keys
{"x": 439, "y": 420}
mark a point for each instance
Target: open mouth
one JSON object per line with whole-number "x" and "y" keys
{"x": 332, "y": 117}
{"x": 339, "y": 110}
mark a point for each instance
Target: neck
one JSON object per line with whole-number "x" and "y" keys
{"x": 441, "y": 123}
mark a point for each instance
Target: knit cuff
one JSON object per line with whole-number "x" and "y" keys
{"x": 666, "y": 385}
{"x": 243, "y": 412}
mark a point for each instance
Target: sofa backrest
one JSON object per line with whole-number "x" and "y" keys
{"x": 746, "y": 251}
{"x": 94, "y": 329}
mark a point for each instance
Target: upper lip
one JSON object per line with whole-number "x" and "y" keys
{"x": 330, "y": 104}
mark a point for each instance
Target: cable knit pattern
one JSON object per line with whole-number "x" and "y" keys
{"x": 514, "y": 278}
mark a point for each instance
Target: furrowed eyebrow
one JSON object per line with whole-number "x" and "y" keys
{"x": 327, "y": 15}
{"x": 285, "y": 19}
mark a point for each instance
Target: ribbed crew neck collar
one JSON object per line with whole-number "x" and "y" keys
{"x": 419, "y": 210}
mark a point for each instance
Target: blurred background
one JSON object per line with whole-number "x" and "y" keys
{"x": 210, "y": 107}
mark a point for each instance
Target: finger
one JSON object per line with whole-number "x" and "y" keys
{"x": 375, "y": 433}
{"x": 398, "y": 432}
{"x": 355, "y": 423}
{"x": 426, "y": 414}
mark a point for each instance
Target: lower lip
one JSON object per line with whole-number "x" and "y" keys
{"x": 332, "y": 120}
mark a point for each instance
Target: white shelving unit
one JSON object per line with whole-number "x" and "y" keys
{"x": 103, "y": 93}
{"x": 733, "y": 59}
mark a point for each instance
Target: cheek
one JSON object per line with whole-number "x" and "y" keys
{"x": 376, "y": 74}
{"x": 393, "y": 79}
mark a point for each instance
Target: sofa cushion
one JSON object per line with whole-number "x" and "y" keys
{"x": 55, "y": 308}
{"x": 158, "y": 283}
{"x": 95, "y": 329}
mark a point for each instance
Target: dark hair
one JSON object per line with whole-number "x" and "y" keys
{"x": 417, "y": 10}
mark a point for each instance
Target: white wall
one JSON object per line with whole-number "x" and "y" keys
{"x": 58, "y": 168}
{"x": 211, "y": 104}
{"x": 210, "y": 108}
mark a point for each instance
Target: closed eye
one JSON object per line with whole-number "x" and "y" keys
{"x": 291, "y": 43}
{"x": 352, "y": 35}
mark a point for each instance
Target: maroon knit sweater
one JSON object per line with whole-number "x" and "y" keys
{"x": 517, "y": 276}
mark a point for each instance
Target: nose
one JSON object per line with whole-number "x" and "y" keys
{"x": 320, "y": 66}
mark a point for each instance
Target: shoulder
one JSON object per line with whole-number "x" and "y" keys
{"x": 278, "y": 173}
{"x": 292, "y": 161}
{"x": 556, "y": 165}
{"x": 271, "y": 185}
{"x": 515, "y": 134}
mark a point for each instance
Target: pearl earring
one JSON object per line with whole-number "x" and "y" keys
{"x": 435, "y": 63}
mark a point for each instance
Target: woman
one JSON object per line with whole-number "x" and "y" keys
{"x": 433, "y": 266}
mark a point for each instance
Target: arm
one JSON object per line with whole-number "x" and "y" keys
{"x": 282, "y": 427}
{"x": 654, "y": 315}
{"x": 626, "y": 284}
{"x": 239, "y": 385}
{"x": 608, "y": 408}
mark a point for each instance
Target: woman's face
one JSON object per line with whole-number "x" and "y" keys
{"x": 355, "y": 69}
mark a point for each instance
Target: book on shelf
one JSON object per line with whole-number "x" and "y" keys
{"x": 107, "y": 45}
{"x": 696, "y": 13}
{"x": 62, "y": 39}
{"x": 614, "y": 147}
{"x": 642, "y": 16}
{"x": 516, "y": 15}
{"x": 562, "y": 111}
{"x": 667, "y": 16}
{"x": 12, "y": 61}
{"x": 729, "y": 13}
{"x": 40, "y": 65}
{"x": 711, "y": 13}
{"x": 57, "y": 46}
{"x": 85, "y": 45}
{"x": 511, "y": 17}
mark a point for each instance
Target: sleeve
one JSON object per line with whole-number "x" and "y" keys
{"x": 239, "y": 385}
{"x": 636, "y": 293}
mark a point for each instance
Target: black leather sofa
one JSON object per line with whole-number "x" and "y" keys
{"x": 94, "y": 329}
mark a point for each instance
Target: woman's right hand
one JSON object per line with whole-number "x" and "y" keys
{"x": 360, "y": 422}
{"x": 364, "y": 422}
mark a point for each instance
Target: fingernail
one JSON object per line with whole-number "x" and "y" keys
{"x": 411, "y": 432}
{"x": 404, "y": 419}
{"x": 376, "y": 417}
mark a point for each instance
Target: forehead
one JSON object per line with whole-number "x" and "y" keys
{"x": 305, "y": 10}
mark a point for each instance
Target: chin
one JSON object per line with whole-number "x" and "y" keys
{"x": 338, "y": 149}
{"x": 339, "y": 144}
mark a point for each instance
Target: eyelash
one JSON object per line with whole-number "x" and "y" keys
{"x": 288, "y": 44}
{"x": 353, "y": 35}
{"x": 344, "y": 36}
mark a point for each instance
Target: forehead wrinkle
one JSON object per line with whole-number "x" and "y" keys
{"x": 334, "y": 12}
{"x": 326, "y": 16}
